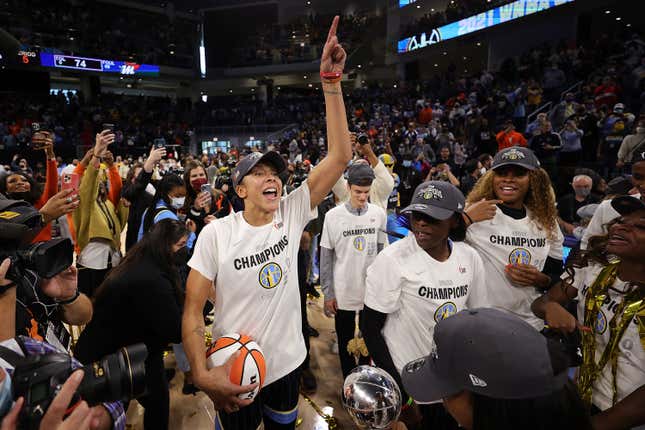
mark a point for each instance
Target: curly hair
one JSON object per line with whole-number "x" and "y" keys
{"x": 540, "y": 198}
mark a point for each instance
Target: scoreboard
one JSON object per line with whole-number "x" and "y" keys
{"x": 60, "y": 61}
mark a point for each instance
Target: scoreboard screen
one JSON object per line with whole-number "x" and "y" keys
{"x": 60, "y": 61}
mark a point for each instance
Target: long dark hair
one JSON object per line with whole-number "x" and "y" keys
{"x": 191, "y": 194}
{"x": 156, "y": 247}
{"x": 164, "y": 187}
{"x": 35, "y": 189}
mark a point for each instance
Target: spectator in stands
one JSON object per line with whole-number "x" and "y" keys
{"x": 202, "y": 207}
{"x": 534, "y": 127}
{"x": 546, "y": 146}
{"x": 508, "y": 137}
{"x": 100, "y": 217}
{"x": 472, "y": 172}
{"x": 569, "y": 204}
{"x": 486, "y": 160}
{"x": 137, "y": 193}
{"x": 571, "y": 151}
{"x": 554, "y": 80}
{"x": 630, "y": 145}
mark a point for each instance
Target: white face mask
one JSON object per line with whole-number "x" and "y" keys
{"x": 482, "y": 170}
{"x": 177, "y": 202}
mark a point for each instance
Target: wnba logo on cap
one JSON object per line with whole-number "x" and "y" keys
{"x": 359, "y": 243}
{"x": 513, "y": 154}
{"x": 431, "y": 192}
{"x": 519, "y": 256}
{"x": 270, "y": 275}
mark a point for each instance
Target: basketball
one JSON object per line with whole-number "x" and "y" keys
{"x": 249, "y": 367}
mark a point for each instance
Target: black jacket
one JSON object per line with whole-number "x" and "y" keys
{"x": 139, "y": 200}
{"x": 141, "y": 306}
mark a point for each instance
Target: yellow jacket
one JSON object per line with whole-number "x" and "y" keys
{"x": 98, "y": 219}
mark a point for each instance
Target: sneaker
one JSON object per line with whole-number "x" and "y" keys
{"x": 309, "y": 383}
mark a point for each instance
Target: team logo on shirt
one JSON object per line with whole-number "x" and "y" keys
{"x": 444, "y": 311}
{"x": 270, "y": 275}
{"x": 519, "y": 256}
{"x": 359, "y": 243}
{"x": 601, "y": 323}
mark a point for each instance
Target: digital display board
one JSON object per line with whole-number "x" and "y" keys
{"x": 403, "y": 3}
{"x": 61, "y": 61}
{"x": 499, "y": 15}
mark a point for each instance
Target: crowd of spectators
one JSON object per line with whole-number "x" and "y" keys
{"x": 96, "y": 29}
{"x": 299, "y": 40}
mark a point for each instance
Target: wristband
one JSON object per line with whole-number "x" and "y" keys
{"x": 468, "y": 217}
{"x": 70, "y": 300}
{"x": 407, "y": 404}
{"x": 331, "y": 77}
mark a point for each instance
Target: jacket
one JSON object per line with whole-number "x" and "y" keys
{"x": 94, "y": 219}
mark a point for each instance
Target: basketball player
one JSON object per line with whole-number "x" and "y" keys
{"x": 419, "y": 281}
{"x": 252, "y": 258}
{"x": 521, "y": 245}
{"x": 352, "y": 235}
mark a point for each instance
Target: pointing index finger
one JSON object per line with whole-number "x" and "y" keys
{"x": 332, "y": 29}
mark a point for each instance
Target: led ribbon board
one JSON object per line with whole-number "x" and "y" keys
{"x": 403, "y": 3}
{"x": 499, "y": 15}
{"x": 60, "y": 61}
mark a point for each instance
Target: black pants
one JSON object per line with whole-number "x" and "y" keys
{"x": 89, "y": 280}
{"x": 345, "y": 327}
{"x": 276, "y": 405}
{"x": 156, "y": 400}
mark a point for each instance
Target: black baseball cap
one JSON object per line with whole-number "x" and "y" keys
{"x": 437, "y": 199}
{"x": 619, "y": 185}
{"x": 248, "y": 162}
{"x": 485, "y": 351}
{"x": 357, "y": 173}
{"x": 517, "y": 156}
{"x": 638, "y": 156}
{"x": 625, "y": 205}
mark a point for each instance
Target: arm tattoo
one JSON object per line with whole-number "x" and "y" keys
{"x": 333, "y": 92}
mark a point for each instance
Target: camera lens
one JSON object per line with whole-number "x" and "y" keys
{"x": 118, "y": 376}
{"x": 48, "y": 258}
{"x": 362, "y": 139}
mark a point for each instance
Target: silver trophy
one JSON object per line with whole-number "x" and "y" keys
{"x": 372, "y": 398}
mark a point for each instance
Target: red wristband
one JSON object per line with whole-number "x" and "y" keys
{"x": 331, "y": 76}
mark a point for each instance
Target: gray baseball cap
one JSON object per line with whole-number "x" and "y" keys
{"x": 249, "y": 161}
{"x": 517, "y": 156}
{"x": 359, "y": 172}
{"x": 437, "y": 199}
{"x": 484, "y": 351}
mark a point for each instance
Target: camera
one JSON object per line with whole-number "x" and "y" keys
{"x": 362, "y": 139}
{"x": 222, "y": 180}
{"x": 116, "y": 377}
{"x": 19, "y": 224}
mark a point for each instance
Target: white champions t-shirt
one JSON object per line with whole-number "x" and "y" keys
{"x": 354, "y": 239}
{"x": 504, "y": 240}
{"x": 417, "y": 291}
{"x": 256, "y": 278}
{"x": 631, "y": 358}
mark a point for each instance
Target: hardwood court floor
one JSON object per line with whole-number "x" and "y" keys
{"x": 196, "y": 412}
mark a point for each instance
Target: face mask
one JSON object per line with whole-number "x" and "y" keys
{"x": 6, "y": 398}
{"x": 640, "y": 129}
{"x": 177, "y": 202}
{"x": 23, "y": 195}
{"x": 582, "y": 192}
{"x": 482, "y": 170}
{"x": 180, "y": 257}
{"x": 407, "y": 163}
{"x": 197, "y": 184}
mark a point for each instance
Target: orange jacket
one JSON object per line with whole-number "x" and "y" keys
{"x": 508, "y": 139}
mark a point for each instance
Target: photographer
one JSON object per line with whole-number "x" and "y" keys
{"x": 383, "y": 182}
{"x": 109, "y": 415}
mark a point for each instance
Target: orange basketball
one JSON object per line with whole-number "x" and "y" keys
{"x": 249, "y": 367}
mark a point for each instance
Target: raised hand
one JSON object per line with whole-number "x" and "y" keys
{"x": 333, "y": 56}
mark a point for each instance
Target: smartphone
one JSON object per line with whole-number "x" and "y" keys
{"x": 159, "y": 143}
{"x": 37, "y": 136}
{"x": 206, "y": 188}
{"x": 71, "y": 181}
{"x": 108, "y": 126}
